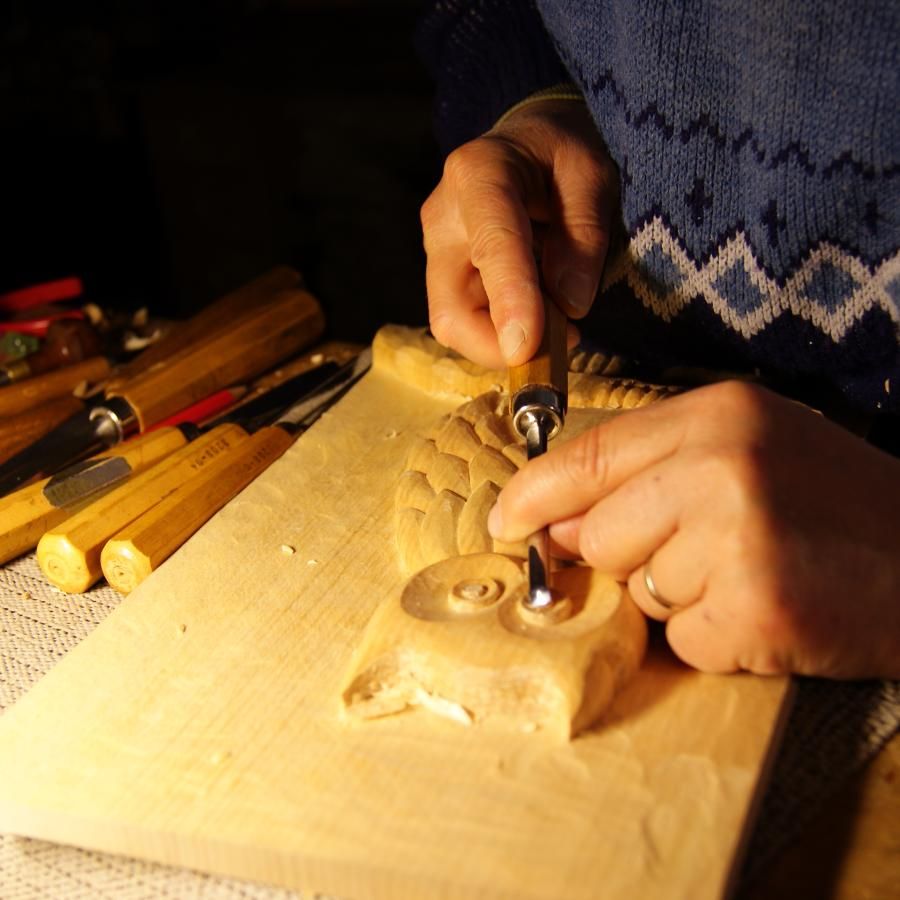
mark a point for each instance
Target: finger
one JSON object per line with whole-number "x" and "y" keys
{"x": 577, "y": 240}
{"x": 699, "y": 637}
{"x": 458, "y": 307}
{"x": 573, "y": 476}
{"x": 500, "y": 242}
{"x": 624, "y": 528}
{"x": 559, "y": 552}
{"x": 679, "y": 571}
{"x": 564, "y": 536}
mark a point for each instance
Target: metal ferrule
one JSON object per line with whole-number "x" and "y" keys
{"x": 16, "y": 371}
{"x": 538, "y": 400}
{"x": 113, "y": 421}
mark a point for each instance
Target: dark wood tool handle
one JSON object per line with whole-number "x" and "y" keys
{"x": 31, "y": 393}
{"x": 68, "y": 341}
{"x": 17, "y": 432}
{"x": 254, "y": 343}
{"x": 218, "y": 315}
{"x": 549, "y": 366}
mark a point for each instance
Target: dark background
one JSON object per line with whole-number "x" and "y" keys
{"x": 169, "y": 151}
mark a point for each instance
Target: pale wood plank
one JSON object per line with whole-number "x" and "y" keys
{"x": 221, "y": 746}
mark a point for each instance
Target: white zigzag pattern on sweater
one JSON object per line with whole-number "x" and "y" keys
{"x": 870, "y": 286}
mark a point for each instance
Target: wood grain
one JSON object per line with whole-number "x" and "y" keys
{"x": 255, "y": 342}
{"x": 130, "y": 555}
{"x": 69, "y": 553}
{"x": 219, "y": 314}
{"x": 27, "y": 513}
{"x": 200, "y": 723}
{"x": 19, "y": 432}
{"x": 549, "y": 365}
{"x": 31, "y": 393}
{"x": 412, "y": 355}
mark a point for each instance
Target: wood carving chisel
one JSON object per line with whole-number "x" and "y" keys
{"x": 69, "y": 554}
{"x": 539, "y": 398}
{"x": 68, "y": 341}
{"x": 25, "y": 428}
{"x": 252, "y": 343}
{"x": 220, "y": 314}
{"x": 26, "y": 514}
{"x": 143, "y": 545}
{"x": 330, "y": 351}
{"x": 28, "y": 395}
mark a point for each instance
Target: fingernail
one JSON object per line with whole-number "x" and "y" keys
{"x": 577, "y": 289}
{"x": 495, "y": 521}
{"x": 511, "y": 337}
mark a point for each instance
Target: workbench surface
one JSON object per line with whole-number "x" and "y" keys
{"x": 828, "y": 821}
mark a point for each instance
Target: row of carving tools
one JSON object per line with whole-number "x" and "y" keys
{"x": 118, "y": 487}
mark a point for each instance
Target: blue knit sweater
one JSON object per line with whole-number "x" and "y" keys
{"x": 758, "y": 147}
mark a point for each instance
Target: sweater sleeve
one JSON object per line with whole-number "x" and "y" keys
{"x": 485, "y": 56}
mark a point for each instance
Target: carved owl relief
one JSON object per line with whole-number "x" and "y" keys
{"x": 458, "y": 640}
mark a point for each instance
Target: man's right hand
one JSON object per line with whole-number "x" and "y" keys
{"x": 545, "y": 164}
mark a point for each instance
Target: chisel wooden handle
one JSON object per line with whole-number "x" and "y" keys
{"x": 17, "y": 432}
{"x": 549, "y": 367}
{"x": 289, "y": 322}
{"x": 69, "y": 555}
{"x": 18, "y": 398}
{"x": 146, "y": 543}
{"x": 27, "y": 513}
{"x": 218, "y": 315}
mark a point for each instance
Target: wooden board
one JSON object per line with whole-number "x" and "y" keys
{"x": 200, "y": 724}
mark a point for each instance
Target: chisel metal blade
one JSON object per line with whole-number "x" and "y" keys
{"x": 539, "y": 392}
{"x": 83, "y": 435}
{"x": 304, "y": 413}
{"x": 260, "y": 410}
{"x": 539, "y": 593}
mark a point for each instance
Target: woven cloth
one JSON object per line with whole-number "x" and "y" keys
{"x": 834, "y": 729}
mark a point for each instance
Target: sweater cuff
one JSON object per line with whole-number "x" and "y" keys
{"x": 563, "y": 91}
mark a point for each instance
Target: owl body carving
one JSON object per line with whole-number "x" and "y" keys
{"x": 458, "y": 641}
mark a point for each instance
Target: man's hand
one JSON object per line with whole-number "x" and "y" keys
{"x": 773, "y": 533}
{"x": 545, "y": 164}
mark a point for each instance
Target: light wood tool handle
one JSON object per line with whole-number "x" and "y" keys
{"x": 17, "y": 432}
{"x": 220, "y": 314}
{"x": 550, "y": 364}
{"x": 291, "y": 321}
{"x": 27, "y": 513}
{"x": 69, "y": 555}
{"x": 129, "y": 557}
{"x": 26, "y": 395}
